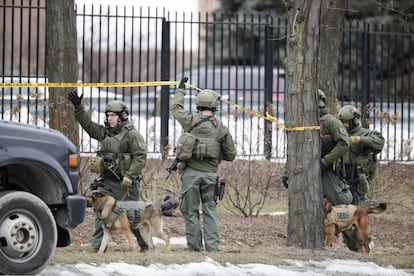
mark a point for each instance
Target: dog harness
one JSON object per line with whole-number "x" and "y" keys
{"x": 341, "y": 216}
{"x": 132, "y": 209}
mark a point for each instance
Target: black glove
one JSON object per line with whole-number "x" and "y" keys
{"x": 182, "y": 82}
{"x": 93, "y": 185}
{"x": 285, "y": 182}
{"x": 74, "y": 98}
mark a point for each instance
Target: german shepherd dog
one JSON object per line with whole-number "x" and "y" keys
{"x": 343, "y": 217}
{"x": 115, "y": 218}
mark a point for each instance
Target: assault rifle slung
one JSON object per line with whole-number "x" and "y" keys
{"x": 173, "y": 167}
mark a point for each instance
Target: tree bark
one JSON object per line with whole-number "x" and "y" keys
{"x": 305, "y": 221}
{"x": 331, "y": 22}
{"x": 61, "y": 64}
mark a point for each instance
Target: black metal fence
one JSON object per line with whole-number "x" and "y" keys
{"x": 239, "y": 56}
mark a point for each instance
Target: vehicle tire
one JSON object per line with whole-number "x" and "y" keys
{"x": 28, "y": 233}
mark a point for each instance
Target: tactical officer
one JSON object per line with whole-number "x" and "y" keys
{"x": 123, "y": 155}
{"x": 360, "y": 160}
{"x": 335, "y": 144}
{"x": 199, "y": 173}
{"x": 360, "y": 163}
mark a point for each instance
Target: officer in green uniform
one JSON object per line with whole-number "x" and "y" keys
{"x": 199, "y": 174}
{"x": 360, "y": 160}
{"x": 335, "y": 189}
{"x": 360, "y": 163}
{"x": 123, "y": 156}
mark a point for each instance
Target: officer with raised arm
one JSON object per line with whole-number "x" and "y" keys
{"x": 120, "y": 160}
{"x": 199, "y": 171}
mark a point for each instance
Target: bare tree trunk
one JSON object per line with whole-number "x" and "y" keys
{"x": 305, "y": 225}
{"x": 332, "y": 18}
{"x": 61, "y": 64}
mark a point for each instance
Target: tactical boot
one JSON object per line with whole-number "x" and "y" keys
{"x": 144, "y": 249}
{"x": 142, "y": 244}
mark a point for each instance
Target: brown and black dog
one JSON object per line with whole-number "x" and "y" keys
{"x": 342, "y": 217}
{"x": 116, "y": 218}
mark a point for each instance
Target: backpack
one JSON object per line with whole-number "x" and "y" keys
{"x": 190, "y": 145}
{"x": 185, "y": 146}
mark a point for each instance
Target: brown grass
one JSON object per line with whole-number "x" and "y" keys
{"x": 263, "y": 239}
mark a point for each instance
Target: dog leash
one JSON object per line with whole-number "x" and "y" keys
{"x": 125, "y": 195}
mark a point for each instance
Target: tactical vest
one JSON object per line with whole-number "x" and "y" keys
{"x": 116, "y": 154}
{"x": 365, "y": 162}
{"x": 132, "y": 209}
{"x": 200, "y": 141}
{"x": 341, "y": 215}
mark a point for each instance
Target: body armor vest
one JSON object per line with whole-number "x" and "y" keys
{"x": 341, "y": 216}
{"x": 115, "y": 153}
{"x": 206, "y": 134}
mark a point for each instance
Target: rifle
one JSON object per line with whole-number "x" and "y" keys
{"x": 219, "y": 189}
{"x": 108, "y": 159}
{"x": 173, "y": 167}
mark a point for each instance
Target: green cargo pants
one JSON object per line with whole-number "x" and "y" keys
{"x": 335, "y": 190}
{"x": 198, "y": 185}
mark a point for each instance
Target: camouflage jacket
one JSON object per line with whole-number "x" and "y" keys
{"x": 372, "y": 142}
{"x": 332, "y": 126}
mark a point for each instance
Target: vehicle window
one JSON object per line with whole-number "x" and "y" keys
{"x": 219, "y": 82}
{"x": 216, "y": 82}
{"x": 239, "y": 84}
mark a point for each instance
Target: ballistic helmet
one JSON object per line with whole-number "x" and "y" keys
{"x": 348, "y": 113}
{"x": 322, "y": 99}
{"x": 207, "y": 99}
{"x": 119, "y": 108}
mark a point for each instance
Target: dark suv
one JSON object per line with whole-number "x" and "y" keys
{"x": 39, "y": 200}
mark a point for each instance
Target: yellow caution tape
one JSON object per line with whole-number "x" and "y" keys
{"x": 91, "y": 84}
{"x": 268, "y": 117}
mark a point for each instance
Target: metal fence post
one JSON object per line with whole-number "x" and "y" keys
{"x": 165, "y": 95}
{"x": 365, "y": 79}
{"x": 268, "y": 90}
